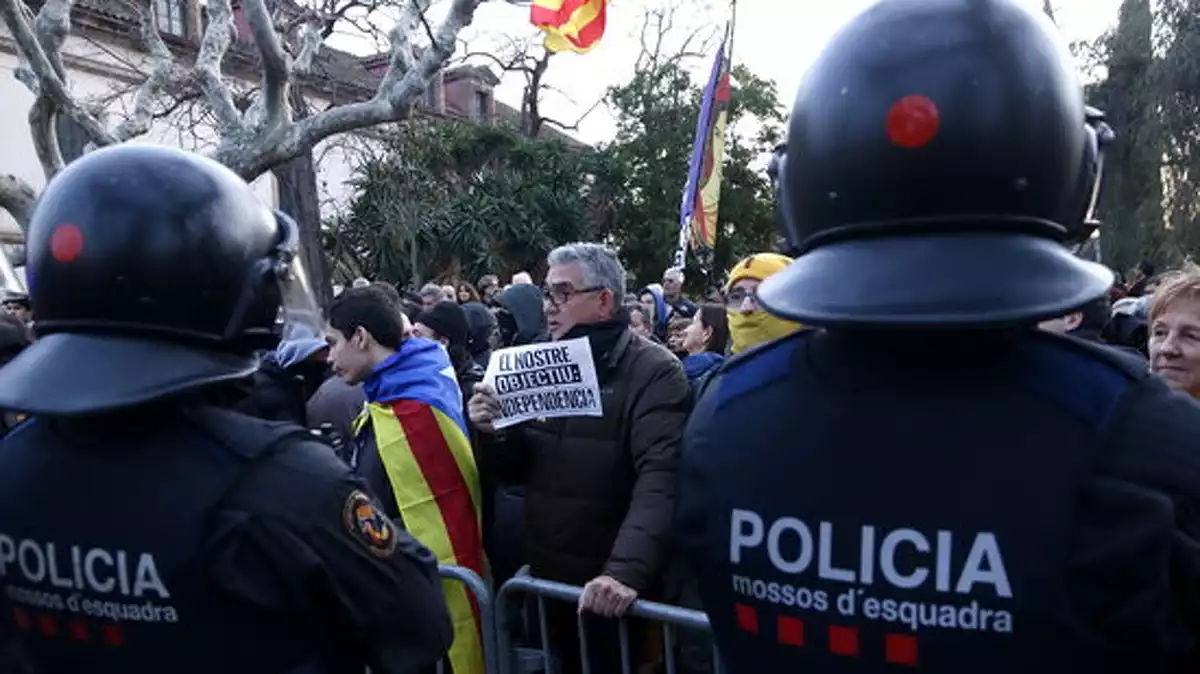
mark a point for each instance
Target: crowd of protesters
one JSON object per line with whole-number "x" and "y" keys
{"x": 585, "y": 500}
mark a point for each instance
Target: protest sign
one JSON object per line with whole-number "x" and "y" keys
{"x": 555, "y": 379}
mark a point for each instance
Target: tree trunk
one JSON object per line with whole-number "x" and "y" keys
{"x": 298, "y": 197}
{"x": 414, "y": 258}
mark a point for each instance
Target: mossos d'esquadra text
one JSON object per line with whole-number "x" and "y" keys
{"x": 875, "y": 585}
{"x": 95, "y": 582}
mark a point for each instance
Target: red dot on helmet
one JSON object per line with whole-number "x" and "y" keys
{"x": 912, "y": 122}
{"x": 66, "y": 242}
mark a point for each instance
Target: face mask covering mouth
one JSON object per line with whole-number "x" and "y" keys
{"x": 751, "y": 329}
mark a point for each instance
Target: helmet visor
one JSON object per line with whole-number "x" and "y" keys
{"x": 1101, "y": 137}
{"x": 299, "y": 313}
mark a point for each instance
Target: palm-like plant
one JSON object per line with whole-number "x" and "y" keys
{"x": 456, "y": 199}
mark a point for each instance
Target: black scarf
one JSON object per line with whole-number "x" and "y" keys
{"x": 603, "y": 338}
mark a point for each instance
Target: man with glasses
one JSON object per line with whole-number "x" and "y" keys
{"x": 599, "y": 491}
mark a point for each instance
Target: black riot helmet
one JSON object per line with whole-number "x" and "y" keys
{"x": 153, "y": 271}
{"x": 783, "y": 243}
{"x": 940, "y": 166}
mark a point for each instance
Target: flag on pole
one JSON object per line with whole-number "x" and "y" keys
{"x": 702, "y": 194}
{"x": 570, "y": 25}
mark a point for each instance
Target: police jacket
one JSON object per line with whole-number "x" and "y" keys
{"x": 191, "y": 539}
{"x": 1012, "y": 503}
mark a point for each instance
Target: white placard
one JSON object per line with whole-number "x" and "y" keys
{"x": 553, "y": 379}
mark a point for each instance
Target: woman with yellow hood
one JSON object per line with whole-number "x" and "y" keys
{"x": 749, "y": 325}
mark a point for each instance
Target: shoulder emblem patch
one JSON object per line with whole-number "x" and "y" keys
{"x": 368, "y": 524}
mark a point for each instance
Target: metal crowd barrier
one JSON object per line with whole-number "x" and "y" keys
{"x": 487, "y": 613}
{"x": 671, "y": 618}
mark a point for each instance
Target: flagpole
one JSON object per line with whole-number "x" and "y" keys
{"x": 730, "y": 27}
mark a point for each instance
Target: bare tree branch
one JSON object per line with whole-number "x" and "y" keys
{"x": 531, "y": 60}
{"x": 406, "y": 78}
{"x": 428, "y": 28}
{"x": 531, "y": 118}
{"x": 507, "y": 65}
{"x": 162, "y": 65}
{"x": 403, "y": 50}
{"x": 176, "y": 105}
{"x": 578, "y": 122}
{"x": 17, "y": 197}
{"x": 41, "y": 53}
{"x": 560, "y": 91}
{"x": 276, "y": 70}
{"x": 53, "y": 24}
{"x": 44, "y": 134}
{"x": 657, "y": 24}
{"x": 331, "y": 14}
{"x": 24, "y": 73}
{"x": 247, "y": 147}
{"x": 218, "y": 36}
{"x": 310, "y": 44}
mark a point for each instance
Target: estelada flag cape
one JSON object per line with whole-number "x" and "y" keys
{"x": 414, "y": 406}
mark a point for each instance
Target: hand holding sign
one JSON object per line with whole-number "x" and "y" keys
{"x": 483, "y": 408}
{"x": 555, "y": 379}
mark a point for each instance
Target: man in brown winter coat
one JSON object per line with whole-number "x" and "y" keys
{"x": 599, "y": 490}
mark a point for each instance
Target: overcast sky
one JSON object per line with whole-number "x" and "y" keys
{"x": 776, "y": 39}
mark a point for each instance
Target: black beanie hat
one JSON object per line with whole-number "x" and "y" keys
{"x": 448, "y": 320}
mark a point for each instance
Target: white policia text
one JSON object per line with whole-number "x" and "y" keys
{"x": 33, "y": 571}
{"x": 981, "y": 579}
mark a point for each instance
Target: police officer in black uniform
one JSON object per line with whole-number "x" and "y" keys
{"x": 143, "y": 530}
{"x": 925, "y": 480}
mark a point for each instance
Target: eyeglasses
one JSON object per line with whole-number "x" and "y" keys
{"x": 738, "y": 295}
{"x": 559, "y": 295}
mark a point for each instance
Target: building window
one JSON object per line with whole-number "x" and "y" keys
{"x": 71, "y": 138}
{"x": 171, "y": 16}
{"x": 483, "y": 108}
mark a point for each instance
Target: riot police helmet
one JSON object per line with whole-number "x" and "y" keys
{"x": 153, "y": 272}
{"x": 940, "y": 167}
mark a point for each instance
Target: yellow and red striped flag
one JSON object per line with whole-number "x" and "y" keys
{"x": 702, "y": 193}
{"x": 570, "y": 25}
{"x": 425, "y": 452}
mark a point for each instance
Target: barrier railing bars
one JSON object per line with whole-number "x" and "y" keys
{"x": 487, "y": 612}
{"x": 671, "y": 617}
